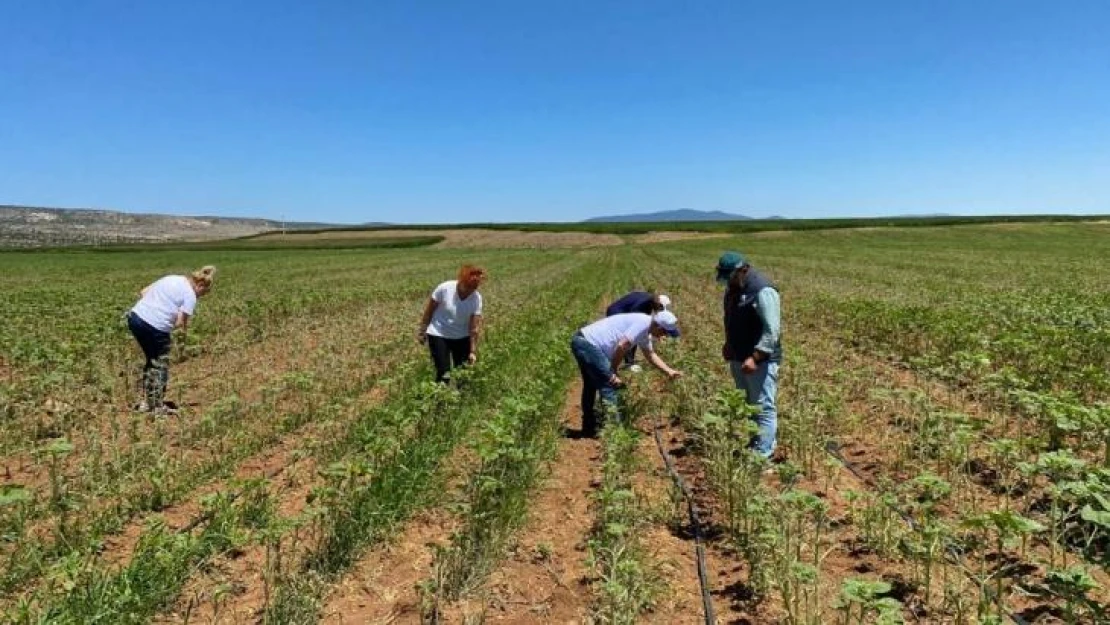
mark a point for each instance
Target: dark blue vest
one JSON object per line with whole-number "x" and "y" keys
{"x": 743, "y": 327}
{"x": 636, "y": 301}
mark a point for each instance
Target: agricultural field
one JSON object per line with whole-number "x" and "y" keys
{"x": 944, "y": 413}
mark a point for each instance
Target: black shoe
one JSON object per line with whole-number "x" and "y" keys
{"x": 589, "y": 429}
{"x": 575, "y": 435}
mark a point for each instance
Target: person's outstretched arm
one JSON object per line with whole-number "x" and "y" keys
{"x": 661, "y": 365}
{"x": 425, "y": 319}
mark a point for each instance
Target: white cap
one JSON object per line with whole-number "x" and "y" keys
{"x": 665, "y": 302}
{"x": 667, "y": 321}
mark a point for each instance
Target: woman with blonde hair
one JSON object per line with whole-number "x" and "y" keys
{"x": 452, "y": 321}
{"x": 165, "y": 304}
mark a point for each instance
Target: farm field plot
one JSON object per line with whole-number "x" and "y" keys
{"x": 944, "y": 418}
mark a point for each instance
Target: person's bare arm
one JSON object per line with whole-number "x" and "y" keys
{"x": 661, "y": 365}
{"x": 425, "y": 319}
{"x": 181, "y": 325}
{"x": 618, "y": 355}
{"x": 475, "y": 333}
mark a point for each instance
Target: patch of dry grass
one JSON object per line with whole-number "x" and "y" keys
{"x": 470, "y": 238}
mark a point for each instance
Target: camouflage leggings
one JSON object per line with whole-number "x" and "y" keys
{"x": 156, "y": 375}
{"x": 156, "y": 348}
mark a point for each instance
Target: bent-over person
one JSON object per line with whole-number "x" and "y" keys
{"x": 166, "y": 304}
{"x": 599, "y": 349}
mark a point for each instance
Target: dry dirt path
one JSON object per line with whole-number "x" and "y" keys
{"x": 546, "y": 578}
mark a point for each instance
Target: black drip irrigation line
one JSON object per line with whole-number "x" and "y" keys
{"x": 833, "y": 449}
{"x": 695, "y": 524}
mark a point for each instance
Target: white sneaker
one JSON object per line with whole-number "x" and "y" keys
{"x": 143, "y": 406}
{"x": 635, "y": 368}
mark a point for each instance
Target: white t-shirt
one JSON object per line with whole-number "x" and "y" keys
{"x": 451, "y": 319}
{"x": 607, "y": 333}
{"x": 164, "y": 299}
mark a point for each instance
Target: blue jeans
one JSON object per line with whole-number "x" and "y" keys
{"x": 760, "y": 387}
{"x": 596, "y": 371}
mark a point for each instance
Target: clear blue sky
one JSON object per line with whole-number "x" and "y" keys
{"x": 419, "y": 111}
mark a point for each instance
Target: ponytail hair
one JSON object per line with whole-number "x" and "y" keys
{"x": 204, "y": 276}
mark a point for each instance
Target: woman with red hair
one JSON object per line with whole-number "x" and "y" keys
{"x": 452, "y": 321}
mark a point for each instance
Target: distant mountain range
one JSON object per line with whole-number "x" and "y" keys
{"x": 682, "y": 214}
{"x": 34, "y": 226}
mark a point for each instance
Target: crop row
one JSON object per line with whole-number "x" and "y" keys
{"x": 334, "y": 395}
{"x": 929, "y": 439}
{"x": 368, "y": 496}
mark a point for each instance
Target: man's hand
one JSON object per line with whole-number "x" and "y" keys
{"x": 726, "y": 352}
{"x": 749, "y": 365}
{"x": 674, "y": 374}
{"x": 615, "y": 381}
{"x": 421, "y": 336}
{"x": 472, "y": 358}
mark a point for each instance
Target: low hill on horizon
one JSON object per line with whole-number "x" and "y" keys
{"x": 682, "y": 214}
{"x": 33, "y": 226}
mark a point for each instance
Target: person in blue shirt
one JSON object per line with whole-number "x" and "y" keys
{"x": 753, "y": 346}
{"x": 637, "y": 302}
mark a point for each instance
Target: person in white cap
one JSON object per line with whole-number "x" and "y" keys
{"x": 645, "y": 302}
{"x": 599, "y": 349}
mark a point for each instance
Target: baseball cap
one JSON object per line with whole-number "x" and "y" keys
{"x": 665, "y": 302}
{"x": 668, "y": 322}
{"x": 729, "y": 262}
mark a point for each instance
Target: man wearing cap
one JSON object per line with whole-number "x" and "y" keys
{"x": 752, "y": 346}
{"x": 599, "y": 349}
{"x": 637, "y": 301}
